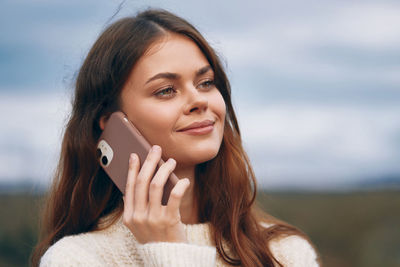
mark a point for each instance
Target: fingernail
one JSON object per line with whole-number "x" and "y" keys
{"x": 132, "y": 158}
{"x": 171, "y": 160}
{"x": 156, "y": 148}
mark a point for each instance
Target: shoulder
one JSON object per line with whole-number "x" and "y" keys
{"x": 293, "y": 250}
{"x": 75, "y": 250}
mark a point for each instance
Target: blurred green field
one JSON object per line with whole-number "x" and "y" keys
{"x": 348, "y": 229}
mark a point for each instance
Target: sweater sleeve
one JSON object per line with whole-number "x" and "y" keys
{"x": 294, "y": 251}
{"x": 163, "y": 254}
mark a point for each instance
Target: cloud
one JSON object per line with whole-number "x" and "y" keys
{"x": 354, "y": 42}
{"x": 47, "y": 39}
{"x": 30, "y": 135}
{"x": 321, "y": 146}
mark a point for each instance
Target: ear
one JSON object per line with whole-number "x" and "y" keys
{"x": 102, "y": 122}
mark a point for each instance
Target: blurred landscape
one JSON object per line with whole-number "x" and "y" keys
{"x": 353, "y": 228}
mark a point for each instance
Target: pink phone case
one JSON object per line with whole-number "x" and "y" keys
{"x": 119, "y": 139}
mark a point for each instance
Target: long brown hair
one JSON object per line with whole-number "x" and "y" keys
{"x": 82, "y": 193}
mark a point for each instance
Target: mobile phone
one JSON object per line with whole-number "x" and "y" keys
{"x": 118, "y": 140}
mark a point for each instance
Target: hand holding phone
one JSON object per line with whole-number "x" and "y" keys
{"x": 153, "y": 193}
{"x": 119, "y": 139}
{"x": 146, "y": 218}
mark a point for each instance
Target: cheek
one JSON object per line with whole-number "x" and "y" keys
{"x": 155, "y": 123}
{"x": 219, "y": 106}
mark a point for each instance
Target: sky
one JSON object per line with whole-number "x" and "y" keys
{"x": 315, "y": 85}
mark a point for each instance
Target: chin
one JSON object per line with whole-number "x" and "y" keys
{"x": 204, "y": 155}
{"x": 195, "y": 152}
{"x": 207, "y": 157}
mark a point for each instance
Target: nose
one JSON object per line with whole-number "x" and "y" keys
{"x": 196, "y": 101}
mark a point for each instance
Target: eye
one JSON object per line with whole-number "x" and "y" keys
{"x": 166, "y": 92}
{"x": 207, "y": 84}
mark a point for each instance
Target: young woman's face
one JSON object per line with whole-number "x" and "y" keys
{"x": 169, "y": 88}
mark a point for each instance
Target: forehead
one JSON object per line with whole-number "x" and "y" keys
{"x": 170, "y": 53}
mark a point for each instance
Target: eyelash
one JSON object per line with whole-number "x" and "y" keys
{"x": 208, "y": 83}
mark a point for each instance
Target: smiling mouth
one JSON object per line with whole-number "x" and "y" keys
{"x": 197, "y": 125}
{"x": 199, "y": 130}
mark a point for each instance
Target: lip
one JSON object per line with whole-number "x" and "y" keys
{"x": 199, "y": 131}
{"x": 198, "y": 125}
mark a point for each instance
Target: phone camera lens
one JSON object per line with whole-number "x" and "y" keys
{"x": 104, "y": 160}
{"x": 98, "y": 153}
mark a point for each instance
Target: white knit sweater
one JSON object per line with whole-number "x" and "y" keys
{"x": 116, "y": 246}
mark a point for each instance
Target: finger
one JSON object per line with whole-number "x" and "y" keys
{"x": 144, "y": 177}
{"x": 158, "y": 183}
{"x": 130, "y": 183}
{"x": 176, "y": 196}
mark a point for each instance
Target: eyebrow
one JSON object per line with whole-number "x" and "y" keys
{"x": 174, "y": 76}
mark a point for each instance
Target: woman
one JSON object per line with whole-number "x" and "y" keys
{"x": 164, "y": 76}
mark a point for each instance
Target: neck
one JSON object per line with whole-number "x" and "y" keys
{"x": 188, "y": 208}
